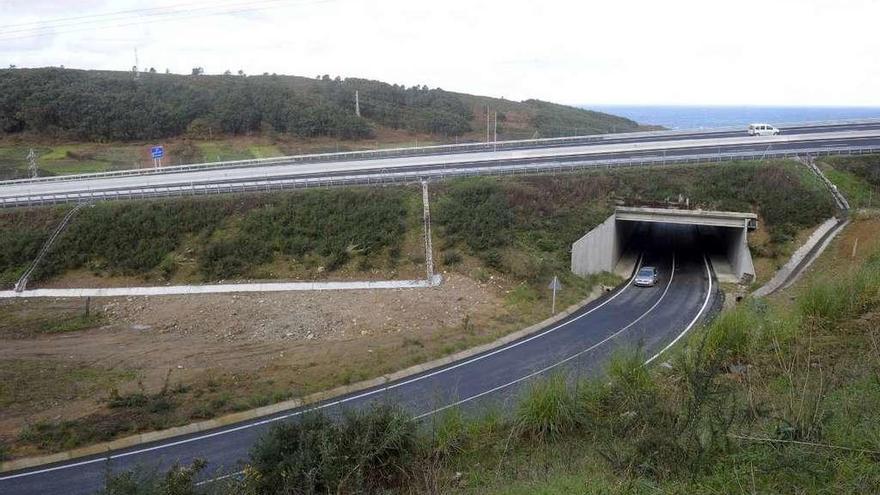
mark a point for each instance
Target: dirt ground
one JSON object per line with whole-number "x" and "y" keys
{"x": 298, "y": 342}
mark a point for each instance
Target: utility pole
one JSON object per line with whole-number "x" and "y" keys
{"x": 32, "y": 163}
{"x": 135, "y": 68}
{"x": 495, "y": 132}
{"x": 357, "y": 104}
{"x": 487, "y": 123}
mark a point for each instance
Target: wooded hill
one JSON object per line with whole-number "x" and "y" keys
{"x": 102, "y": 106}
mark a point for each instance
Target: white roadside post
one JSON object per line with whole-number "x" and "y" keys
{"x": 554, "y": 286}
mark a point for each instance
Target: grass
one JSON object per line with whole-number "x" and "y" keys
{"x": 762, "y": 400}
{"x": 858, "y": 178}
{"x": 18, "y": 320}
{"x": 38, "y": 381}
{"x": 548, "y": 411}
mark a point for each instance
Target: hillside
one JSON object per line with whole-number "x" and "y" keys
{"x": 114, "y": 106}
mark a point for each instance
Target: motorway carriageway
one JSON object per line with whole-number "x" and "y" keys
{"x": 650, "y": 318}
{"x": 588, "y": 140}
{"x": 46, "y": 191}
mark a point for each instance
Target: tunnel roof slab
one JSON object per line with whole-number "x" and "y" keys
{"x": 731, "y": 219}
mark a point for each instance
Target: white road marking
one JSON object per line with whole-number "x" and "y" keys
{"x": 515, "y": 344}
{"x": 329, "y": 404}
{"x": 694, "y": 321}
{"x": 559, "y": 363}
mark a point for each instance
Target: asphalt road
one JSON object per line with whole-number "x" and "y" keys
{"x": 650, "y": 318}
{"x": 589, "y": 140}
{"x": 435, "y": 164}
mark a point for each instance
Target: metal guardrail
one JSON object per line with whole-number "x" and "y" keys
{"x": 412, "y": 151}
{"x": 407, "y": 177}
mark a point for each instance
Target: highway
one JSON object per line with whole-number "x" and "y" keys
{"x": 650, "y": 318}
{"x": 861, "y": 136}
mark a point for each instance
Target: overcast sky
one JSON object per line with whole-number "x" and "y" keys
{"x": 741, "y": 52}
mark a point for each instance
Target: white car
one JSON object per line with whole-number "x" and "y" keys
{"x": 647, "y": 277}
{"x": 763, "y": 130}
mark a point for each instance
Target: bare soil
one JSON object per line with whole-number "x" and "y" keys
{"x": 231, "y": 346}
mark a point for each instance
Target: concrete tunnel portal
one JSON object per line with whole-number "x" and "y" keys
{"x": 615, "y": 244}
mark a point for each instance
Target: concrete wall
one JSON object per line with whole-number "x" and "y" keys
{"x": 597, "y": 251}
{"x": 600, "y": 249}
{"x": 738, "y": 253}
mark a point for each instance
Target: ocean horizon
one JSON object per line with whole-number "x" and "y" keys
{"x": 709, "y": 117}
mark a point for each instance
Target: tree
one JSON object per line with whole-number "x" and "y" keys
{"x": 152, "y": 70}
{"x": 227, "y": 72}
{"x": 197, "y": 71}
{"x": 241, "y": 73}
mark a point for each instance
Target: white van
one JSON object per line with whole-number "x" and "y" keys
{"x": 762, "y": 130}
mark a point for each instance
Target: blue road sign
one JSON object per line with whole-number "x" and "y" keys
{"x": 157, "y": 151}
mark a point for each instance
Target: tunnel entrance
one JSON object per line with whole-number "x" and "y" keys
{"x": 616, "y": 244}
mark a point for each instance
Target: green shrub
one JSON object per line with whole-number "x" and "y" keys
{"x": 178, "y": 480}
{"x": 22, "y": 234}
{"x": 336, "y": 224}
{"x": 451, "y": 257}
{"x": 364, "y": 452}
{"x": 547, "y": 411}
{"x": 449, "y": 433}
{"x": 129, "y": 238}
{"x": 475, "y": 211}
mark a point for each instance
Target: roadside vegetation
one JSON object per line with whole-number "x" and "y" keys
{"x": 23, "y": 234}
{"x": 522, "y": 228}
{"x": 312, "y": 233}
{"x": 778, "y": 396}
{"x": 858, "y": 178}
{"x": 62, "y": 113}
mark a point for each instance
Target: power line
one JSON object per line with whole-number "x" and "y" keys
{"x": 235, "y": 8}
{"x": 106, "y": 14}
{"x": 159, "y": 13}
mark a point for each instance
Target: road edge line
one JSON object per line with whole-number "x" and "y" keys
{"x": 265, "y": 411}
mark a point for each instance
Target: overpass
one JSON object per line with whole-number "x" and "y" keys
{"x": 722, "y": 235}
{"x": 418, "y": 164}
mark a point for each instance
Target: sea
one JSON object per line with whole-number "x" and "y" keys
{"x": 709, "y": 117}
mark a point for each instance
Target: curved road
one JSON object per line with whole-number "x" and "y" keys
{"x": 651, "y": 318}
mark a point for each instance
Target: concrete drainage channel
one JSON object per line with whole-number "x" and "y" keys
{"x": 817, "y": 242}
{"x": 431, "y": 279}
